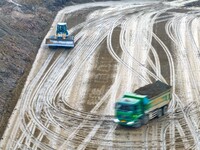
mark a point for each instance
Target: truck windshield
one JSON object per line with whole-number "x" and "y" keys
{"x": 125, "y": 107}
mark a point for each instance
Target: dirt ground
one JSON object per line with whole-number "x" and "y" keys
{"x": 101, "y": 76}
{"x": 22, "y": 29}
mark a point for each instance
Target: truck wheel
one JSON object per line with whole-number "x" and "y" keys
{"x": 159, "y": 113}
{"x": 164, "y": 110}
{"x": 139, "y": 124}
{"x": 145, "y": 119}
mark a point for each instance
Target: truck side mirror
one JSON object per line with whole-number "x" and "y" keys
{"x": 145, "y": 101}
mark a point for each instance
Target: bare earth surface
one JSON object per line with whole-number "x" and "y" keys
{"x": 68, "y": 100}
{"x": 21, "y": 32}
{"x": 23, "y": 25}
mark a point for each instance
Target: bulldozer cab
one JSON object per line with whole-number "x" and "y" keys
{"x": 62, "y": 29}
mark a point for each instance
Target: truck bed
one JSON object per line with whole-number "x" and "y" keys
{"x": 154, "y": 89}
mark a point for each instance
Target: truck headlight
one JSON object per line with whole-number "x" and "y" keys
{"x": 130, "y": 123}
{"x": 116, "y": 120}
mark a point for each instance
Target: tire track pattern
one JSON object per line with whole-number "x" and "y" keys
{"x": 69, "y": 103}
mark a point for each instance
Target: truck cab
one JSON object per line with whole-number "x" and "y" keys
{"x": 130, "y": 109}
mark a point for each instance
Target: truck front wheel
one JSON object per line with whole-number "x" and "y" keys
{"x": 138, "y": 124}
{"x": 164, "y": 110}
{"x": 159, "y": 113}
{"x": 145, "y": 119}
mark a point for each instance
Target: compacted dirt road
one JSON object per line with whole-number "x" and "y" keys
{"x": 68, "y": 100}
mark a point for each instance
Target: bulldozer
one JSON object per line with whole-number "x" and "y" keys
{"x": 61, "y": 38}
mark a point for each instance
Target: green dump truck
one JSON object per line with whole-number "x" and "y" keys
{"x": 137, "y": 108}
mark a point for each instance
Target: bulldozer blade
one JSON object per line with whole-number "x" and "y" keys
{"x": 68, "y": 42}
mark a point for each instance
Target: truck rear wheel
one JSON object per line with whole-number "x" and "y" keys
{"x": 164, "y": 110}
{"x": 159, "y": 113}
{"x": 145, "y": 119}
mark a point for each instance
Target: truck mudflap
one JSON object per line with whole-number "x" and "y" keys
{"x": 68, "y": 42}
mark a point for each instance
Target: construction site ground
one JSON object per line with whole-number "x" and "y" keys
{"x": 69, "y": 96}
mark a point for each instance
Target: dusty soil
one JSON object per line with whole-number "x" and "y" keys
{"x": 21, "y": 32}
{"x": 20, "y": 37}
{"x": 22, "y": 29}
